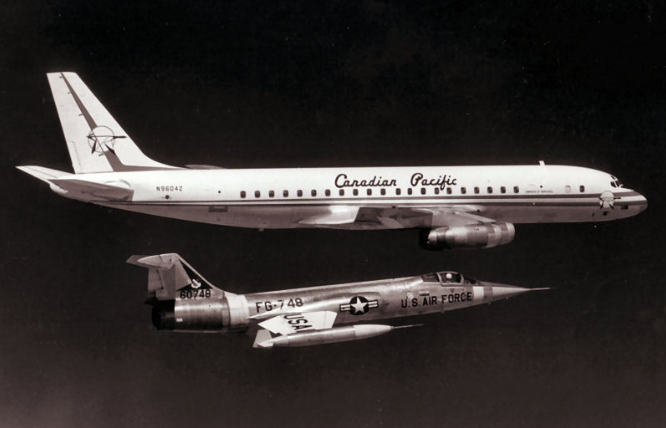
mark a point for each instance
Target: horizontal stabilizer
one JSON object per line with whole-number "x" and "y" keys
{"x": 116, "y": 191}
{"x": 165, "y": 262}
{"x": 160, "y": 262}
{"x": 44, "y": 174}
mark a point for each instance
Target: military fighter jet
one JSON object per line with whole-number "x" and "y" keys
{"x": 452, "y": 206}
{"x": 184, "y": 301}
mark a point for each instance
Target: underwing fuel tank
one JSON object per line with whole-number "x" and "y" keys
{"x": 332, "y": 335}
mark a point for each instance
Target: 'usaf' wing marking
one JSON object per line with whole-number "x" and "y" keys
{"x": 297, "y": 322}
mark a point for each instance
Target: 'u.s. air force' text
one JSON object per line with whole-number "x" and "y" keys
{"x": 437, "y": 300}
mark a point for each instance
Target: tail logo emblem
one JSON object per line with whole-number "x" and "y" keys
{"x": 196, "y": 283}
{"x": 102, "y": 139}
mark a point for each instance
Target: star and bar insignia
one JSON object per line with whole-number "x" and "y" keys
{"x": 359, "y": 305}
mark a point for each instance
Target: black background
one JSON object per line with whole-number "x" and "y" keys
{"x": 295, "y": 84}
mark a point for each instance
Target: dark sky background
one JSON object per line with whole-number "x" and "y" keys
{"x": 295, "y": 84}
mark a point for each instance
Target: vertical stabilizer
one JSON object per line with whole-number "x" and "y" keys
{"x": 96, "y": 142}
{"x": 169, "y": 273}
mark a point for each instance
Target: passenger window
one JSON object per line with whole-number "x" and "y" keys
{"x": 463, "y": 190}
{"x": 490, "y": 189}
{"x": 243, "y": 194}
{"x": 313, "y": 192}
{"x": 285, "y": 193}
{"x": 398, "y": 191}
{"x": 449, "y": 190}
{"x": 436, "y": 190}
{"x": 502, "y": 189}
{"x": 409, "y": 191}
{"x": 369, "y": 191}
{"x": 299, "y": 193}
{"x": 342, "y": 192}
{"x": 355, "y": 192}
{"x": 516, "y": 189}
{"x": 582, "y": 189}
{"x": 567, "y": 188}
{"x": 423, "y": 190}
{"x": 271, "y": 194}
{"x": 327, "y": 192}
{"x": 476, "y": 190}
{"x": 383, "y": 192}
{"x": 257, "y": 193}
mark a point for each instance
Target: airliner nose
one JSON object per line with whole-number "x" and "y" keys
{"x": 643, "y": 203}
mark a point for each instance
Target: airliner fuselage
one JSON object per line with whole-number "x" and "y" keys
{"x": 390, "y": 197}
{"x": 453, "y": 206}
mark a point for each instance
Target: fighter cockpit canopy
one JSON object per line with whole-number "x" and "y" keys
{"x": 447, "y": 278}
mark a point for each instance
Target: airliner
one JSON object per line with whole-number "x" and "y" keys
{"x": 451, "y": 206}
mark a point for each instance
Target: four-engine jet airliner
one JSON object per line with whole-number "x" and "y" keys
{"x": 184, "y": 301}
{"x": 453, "y": 206}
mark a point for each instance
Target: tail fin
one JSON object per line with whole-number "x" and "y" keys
{"x": 96, "y": 142}
{"x": 168, "y": 274}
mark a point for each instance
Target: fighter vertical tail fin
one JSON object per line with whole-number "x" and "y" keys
{"x": 96, "y": 142}
{"x": 169, "y": 274}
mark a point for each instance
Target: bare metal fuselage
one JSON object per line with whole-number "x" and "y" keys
{"x": 184, "y": 301}
{"x": 353, "y": 302}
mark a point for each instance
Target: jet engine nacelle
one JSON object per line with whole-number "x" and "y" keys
{"x": 485, "y": 235}
{"x": 197, "y": 315}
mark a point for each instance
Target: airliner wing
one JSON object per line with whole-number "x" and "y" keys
{"x": 410, "y": 217}
{"x": 395, "y": 217}
{"x": 455, "y": 216}
{"x": 334, "y": 215}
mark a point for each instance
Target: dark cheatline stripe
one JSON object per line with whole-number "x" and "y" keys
{"x": 485, "y": 200}
{"x": 115, "y": 163}
{"x": 522, "y": 200}
{"x": 77, "y": 100}
{"x": 373, "y": 204}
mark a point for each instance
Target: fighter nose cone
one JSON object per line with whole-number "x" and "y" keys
{"x": 504, "y": 291}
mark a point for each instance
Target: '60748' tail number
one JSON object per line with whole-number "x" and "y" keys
{"x": 195, "y": 294}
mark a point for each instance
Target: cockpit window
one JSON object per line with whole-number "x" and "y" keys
{"x": 450, "y": 277}
{"x": 430, "y": 277}
{"x": 469, "y": 280}
{"x": 615, "y": 182}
